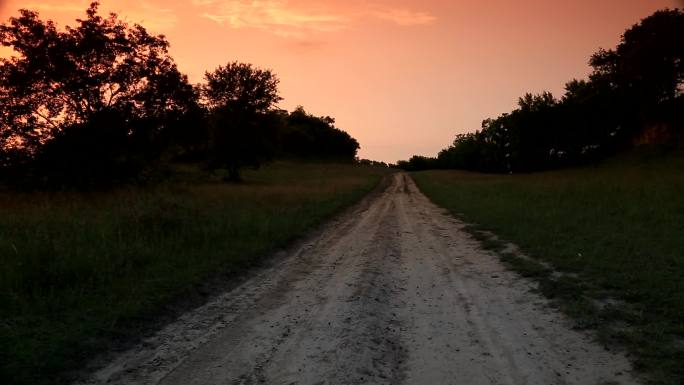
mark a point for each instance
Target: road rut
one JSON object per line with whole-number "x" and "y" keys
{"x": 391, "y": 292}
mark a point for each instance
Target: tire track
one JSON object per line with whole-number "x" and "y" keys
{"x": 391, "y": 292}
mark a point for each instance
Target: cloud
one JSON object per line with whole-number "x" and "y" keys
{"x": 277, "y": 16}
{"x": 145, "y": 12}
{"x": 405, "y": 17}
{"x": 73, "y": 6}
{"x": 205, "y": 2}
{"x": 302, "y": 19}
{"x": 297, "y": 18}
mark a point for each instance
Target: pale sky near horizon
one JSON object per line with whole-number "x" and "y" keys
{"x": 402, "y": 76}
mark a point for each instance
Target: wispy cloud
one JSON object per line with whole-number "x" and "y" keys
{"x": 299, "y": 18}
{"x": 405, "y": 17}
{"x": 289, "y": 18}
{"x": 146, "y": 12}
{"x": 274, "y": 15}
{"x": 66, "y": 6}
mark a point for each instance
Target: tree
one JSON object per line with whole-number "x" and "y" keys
{"x": 243, "y": 123}
{"x": 645, "y": 74}
{"x": 634, "y": 94}
{"x": 60, "y": 82}
{"x": 649, "y": 61}
{"x": 309, "y": 136}
{"x": 242, "y": 86}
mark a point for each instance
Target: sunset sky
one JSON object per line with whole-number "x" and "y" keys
{"x": 401, "y": 76}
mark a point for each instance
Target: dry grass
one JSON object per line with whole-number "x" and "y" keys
{"x": 75, "y": 268}
{"x": 619, "y": 227}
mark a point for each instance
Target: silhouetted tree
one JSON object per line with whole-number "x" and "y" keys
{"x": 83, "y": 87}
{"x": 632, "y": 89}
{"x": 373, "y": 163}
{"x": 309, "y": 136}
{"x": 187, "y": 139}
{"x": 648, "y": 62}
{"x": 243, "y": 125}
{"x": 645, "y": 72}
{"x": 418, "y": 163}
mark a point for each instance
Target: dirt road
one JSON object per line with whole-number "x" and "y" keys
{"x": 391, "y": 292}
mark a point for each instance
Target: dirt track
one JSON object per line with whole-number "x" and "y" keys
{"x": 391, "y": 292}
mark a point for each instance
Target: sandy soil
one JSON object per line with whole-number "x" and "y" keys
{"x": 391, "y": 292}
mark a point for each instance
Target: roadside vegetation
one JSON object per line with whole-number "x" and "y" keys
{"x": 123, "y": 187}
{"x": 606, "y": 241}
{"x": 78, "y": 270}
{"x": 633, "y": 96}
{"x": 102, "y": 103}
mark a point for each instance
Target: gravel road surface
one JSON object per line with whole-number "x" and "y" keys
{"x": 393, "y": 291}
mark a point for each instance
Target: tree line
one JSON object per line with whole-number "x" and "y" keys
{"x": 634, "y": 95}
{"x": 103, "y": 101}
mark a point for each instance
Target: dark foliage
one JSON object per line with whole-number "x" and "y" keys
{"x": 187, "y": 138}
{"x": 97, "y": 94}
{"x": 238, "y": 139}
{"x": 417, "y": 162}
{"x": 97, "y": 150}
{"x": 245, "y": 128}
{"x": 242, "y": 125}
{"x": 241, "y": 86}
{"x": 308, "y": 136}
{"x": 98, "y": 103}
{"x": 635, "y": 95}
{"x": 374, "y": 163}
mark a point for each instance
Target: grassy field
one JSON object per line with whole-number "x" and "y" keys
{"x": 616, "y": 231}
{"x": 79, "y": 269}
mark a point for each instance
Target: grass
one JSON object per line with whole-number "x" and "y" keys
{"x": 79, "y": 270}
{"x": 612, "y": 234}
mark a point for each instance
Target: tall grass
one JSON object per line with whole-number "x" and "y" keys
{"x": 619, "y": 227}
{"x": 76, "y": 267}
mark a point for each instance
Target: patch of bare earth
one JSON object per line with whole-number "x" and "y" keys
{"x": 391, "y": 292}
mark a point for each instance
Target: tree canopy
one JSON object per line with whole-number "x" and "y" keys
{"x": 58, "y": 81}
{"x": 648, "y": 60}
{"x": 635, "y": 94}
{"x": 240, "y": 99}
{"x": 310, "y": 136}
{"x": 241, "y": 86}
{"x": 99, "y": 101}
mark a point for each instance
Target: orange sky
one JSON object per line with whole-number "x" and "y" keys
{"x": 401, "y": 76}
